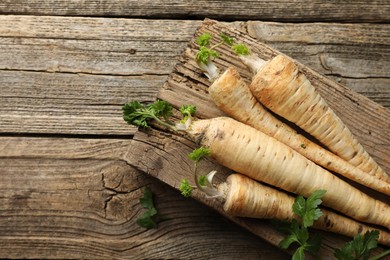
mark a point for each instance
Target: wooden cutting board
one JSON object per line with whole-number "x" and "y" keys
{"x": 164, "y": 155}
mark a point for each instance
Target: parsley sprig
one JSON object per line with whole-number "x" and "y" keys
{"x": 150, "y": 218}
{"x": 203, "y": 182}
{"x": 135, "y": 113}
{"x": 207, "y": 52}
{"x": 297, "y": 231}
{"x": 360, "y": 247}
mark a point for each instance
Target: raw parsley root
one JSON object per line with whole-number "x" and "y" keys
{"x": 246, "y": 150}
{"x": 245, "y": 197}
{"x": 231, "y": 94}
{"x": 276, "y": 85}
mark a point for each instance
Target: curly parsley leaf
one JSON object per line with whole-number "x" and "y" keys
{"x": 227, "y": 39}
{"x": 187, "y": 112}
{"x": 197, "y": 154}
{"x": 160, "y": 108}
{"x": 135, "y": 113}
{"x": 205, "y": 54}
{"x": 241, "y": 49}
{"x": 204, "y": 39}
{"x": 185, "y": 188}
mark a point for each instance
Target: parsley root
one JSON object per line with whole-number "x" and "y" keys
{"x": 245, "y": 197}
{"x": 232, "y": 95}
{"x": 248, "y": 151}
{"x": 281, "y": 87}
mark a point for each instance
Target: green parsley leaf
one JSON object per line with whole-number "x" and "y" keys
{"x": 197, "y": 154}
{"x": 150, "y": 217}
{"x": 287, "y": 241}
{"x": 205, "y": 54}
{"x": 308, "y": 209}
{"x": 188, "y": 110}
{"x": 299, "y": 206}
{"x": 160, "y": 108}
{"x": 204, "y": 39}
{"x": 314, "y": 244}
{"x": 227, "y": 39}
{"x": 147, "y": 220}
{"x": 360, "y": 247}
{"x": 299, "y": 254}
{"x": 134, "y": 113}
{"x": 202, "y": 180}
{"x": 147, "y": 200}
{"x": 241, "y": 49}
{"x": 312, "y": 211}
{"x": 185, "y": 188}
{"x": 297, "y": 232}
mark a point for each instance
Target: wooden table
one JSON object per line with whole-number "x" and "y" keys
{"x": 67, "y": 67}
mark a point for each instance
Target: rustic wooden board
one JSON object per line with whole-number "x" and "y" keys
{"x": 71, "y": 198}
{"x": 281, "y": 10}
{"x": 164, "y": 155}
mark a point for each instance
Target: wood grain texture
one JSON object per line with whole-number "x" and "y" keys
{"x": 162, "y": 155}
{"x": 67, "y": 103}
{"x": 71, "y": 75}
{"x": 281, "y": 10}
{"x": 50, "y": 210}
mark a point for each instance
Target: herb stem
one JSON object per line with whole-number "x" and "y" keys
{"x": 216, "y": 45}
{"x": 164, "y": 123}
{"x": 379, "y": 256}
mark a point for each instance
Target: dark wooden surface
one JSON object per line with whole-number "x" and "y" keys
{"x": 66, "y": 69}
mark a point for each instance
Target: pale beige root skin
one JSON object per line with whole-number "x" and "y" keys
{"x": 246, "y": 150}
{"x": 248, "y": 198}
{"x": 280, "y": 87}
{"x": 232, "y": 95}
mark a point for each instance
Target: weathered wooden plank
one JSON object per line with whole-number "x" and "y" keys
{"x": 281, "y": 10}
{"x": 69, "y": 75}
{"x": 164, "y": 156}
{"x": 92, "y": 45}
{"x": 77, "y": 198}
{"x": 67, "y": 103}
